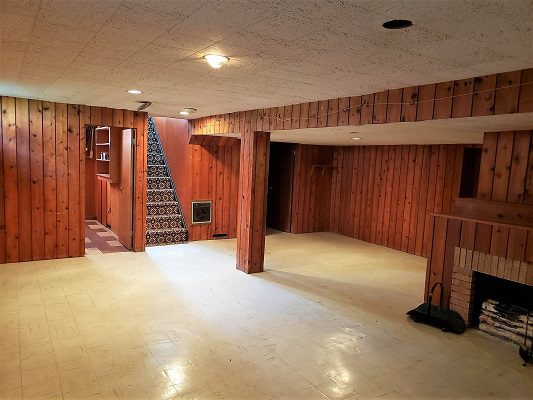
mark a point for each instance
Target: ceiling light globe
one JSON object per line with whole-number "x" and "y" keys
{"x": 216, "y": 61}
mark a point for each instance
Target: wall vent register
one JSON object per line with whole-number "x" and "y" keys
{"x": 201, "y": 212}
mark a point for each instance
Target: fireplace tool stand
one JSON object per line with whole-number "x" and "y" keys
{"x": 525, "y": 352}
{"x": 438, "y": 316}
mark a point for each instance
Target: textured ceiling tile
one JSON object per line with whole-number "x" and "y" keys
{"x": 281, "y": 51}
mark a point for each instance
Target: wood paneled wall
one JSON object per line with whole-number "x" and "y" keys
{"x": 503, "y": 93}
{"x": 215, "y": 176}
{"x": 203, "y": 172}
{"x": 42, "y": 177}
{"x": 497, "y": 251}
{"x": 506, "y": 172}
{"x": 385, "y": 194}
{"x": 174, "y": 139}
{"x": 504, "y": 197}
{"x": 313, "y": 166}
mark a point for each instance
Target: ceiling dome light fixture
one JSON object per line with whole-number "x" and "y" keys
{"x": 216, "y": 61}
{"x": 188, "y": 111}
{"x": 397, "y": 24}
{"x": 357, "y": 138}
{"x": 134, "y": 91}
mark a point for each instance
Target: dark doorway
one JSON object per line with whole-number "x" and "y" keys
{"x": 280, "y": 176}
{"x": 109, "y": 188}
{"x": 470, "y": 171}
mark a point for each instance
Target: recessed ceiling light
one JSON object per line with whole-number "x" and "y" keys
{"x": 397, "y": 24}
{"x": 356, "y": 138}
{"x": 188, "y": 111}
{"x": 215, "y": 60}
{"x": 134, "y": 91}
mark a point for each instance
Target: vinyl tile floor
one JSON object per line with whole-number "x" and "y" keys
{"x": 99, "y": 239}
{"x": 325, "y": 321}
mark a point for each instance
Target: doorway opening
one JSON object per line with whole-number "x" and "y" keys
{"x": 280, "y": 184}
{"x": 109, "y": 189}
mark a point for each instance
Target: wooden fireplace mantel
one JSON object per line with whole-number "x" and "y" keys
{"x": 487, "y": 236}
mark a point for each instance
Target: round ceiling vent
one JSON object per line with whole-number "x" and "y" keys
{"x": 397, "y": 24}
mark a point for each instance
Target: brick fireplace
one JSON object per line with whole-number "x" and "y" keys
{"x": 468, "y": 263}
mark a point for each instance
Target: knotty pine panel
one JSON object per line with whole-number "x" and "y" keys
{"x": 203, "y": 168}
{"x": 42, "y": 177}
{"x": 394, "y": 188}
{"x": 503, "y": 93}
{"x": 313, "y": 170}
{"x": 506, "y": 172}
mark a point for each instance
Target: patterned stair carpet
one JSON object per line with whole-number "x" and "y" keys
{"x": 164, "y": 219}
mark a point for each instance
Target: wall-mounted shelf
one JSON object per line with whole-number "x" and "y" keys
{"x": 108, "y": 141}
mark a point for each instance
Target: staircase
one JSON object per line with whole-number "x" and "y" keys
{"x": 164, "y": 219}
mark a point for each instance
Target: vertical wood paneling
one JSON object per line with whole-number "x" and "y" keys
{"x": 519, "y": 162}
{"x": 252, "y": 200}
{"x": 507, "y": 93}
{"x": 37, "y": 183}
{"x": 9, "y": 148}
{"x": 443, "y": 100}
{"x": 462, "y": 102}
{"x": 426, "y": 100}
{"x": 62, "y": 180}
{"x": 73, "y": 145}
{"x": 402, "y": 189}
{"x": 409, "y": 104}
{"x": 503, "y": 93}
{"x": 488, "y": 160}
{"x": 367, "y": 108}
{"x": 422, "y": 214}
{"x": 354, "y": 115}
{"x": 483, "y": 98}
{"x": 502, "y": 166}
{"x": 315, "y": 186}
{"x": 3, "y": 115}
{"x": 526, "y": 91}
{"x": 382, "y": 194}
{"x": 417, "y": 180}
{"x": 406, "y": 229}
{"x": 394, "y": 189}
{"x": 212, "y": 171}
{"x": 394, "y": 107}
{"x": 380, "y": 108}
{"x": 140, "y": 123}
{"x": 388, "y": 195}
{"x": 24, "y": 178}
{"x": 42, "y": 177}
{"x": 49, "y": 184}
{"x": 85, "y": 119}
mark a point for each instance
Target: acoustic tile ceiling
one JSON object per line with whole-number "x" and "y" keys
{"x": 281, "y": 51}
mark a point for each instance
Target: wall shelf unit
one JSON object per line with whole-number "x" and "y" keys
{"x": 107, "y": 143}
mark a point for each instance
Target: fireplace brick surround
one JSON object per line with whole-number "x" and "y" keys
{"x": 468, "y": 263}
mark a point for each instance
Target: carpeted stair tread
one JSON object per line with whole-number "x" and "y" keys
{"x": 167, "y": 230}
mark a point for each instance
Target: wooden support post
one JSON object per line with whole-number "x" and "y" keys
{"x": 253, "y": 180}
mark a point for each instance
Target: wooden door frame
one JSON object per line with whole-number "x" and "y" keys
{"x": 133, "y": 184}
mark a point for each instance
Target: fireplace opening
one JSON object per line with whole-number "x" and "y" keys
{"x": 501, "y": 308}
